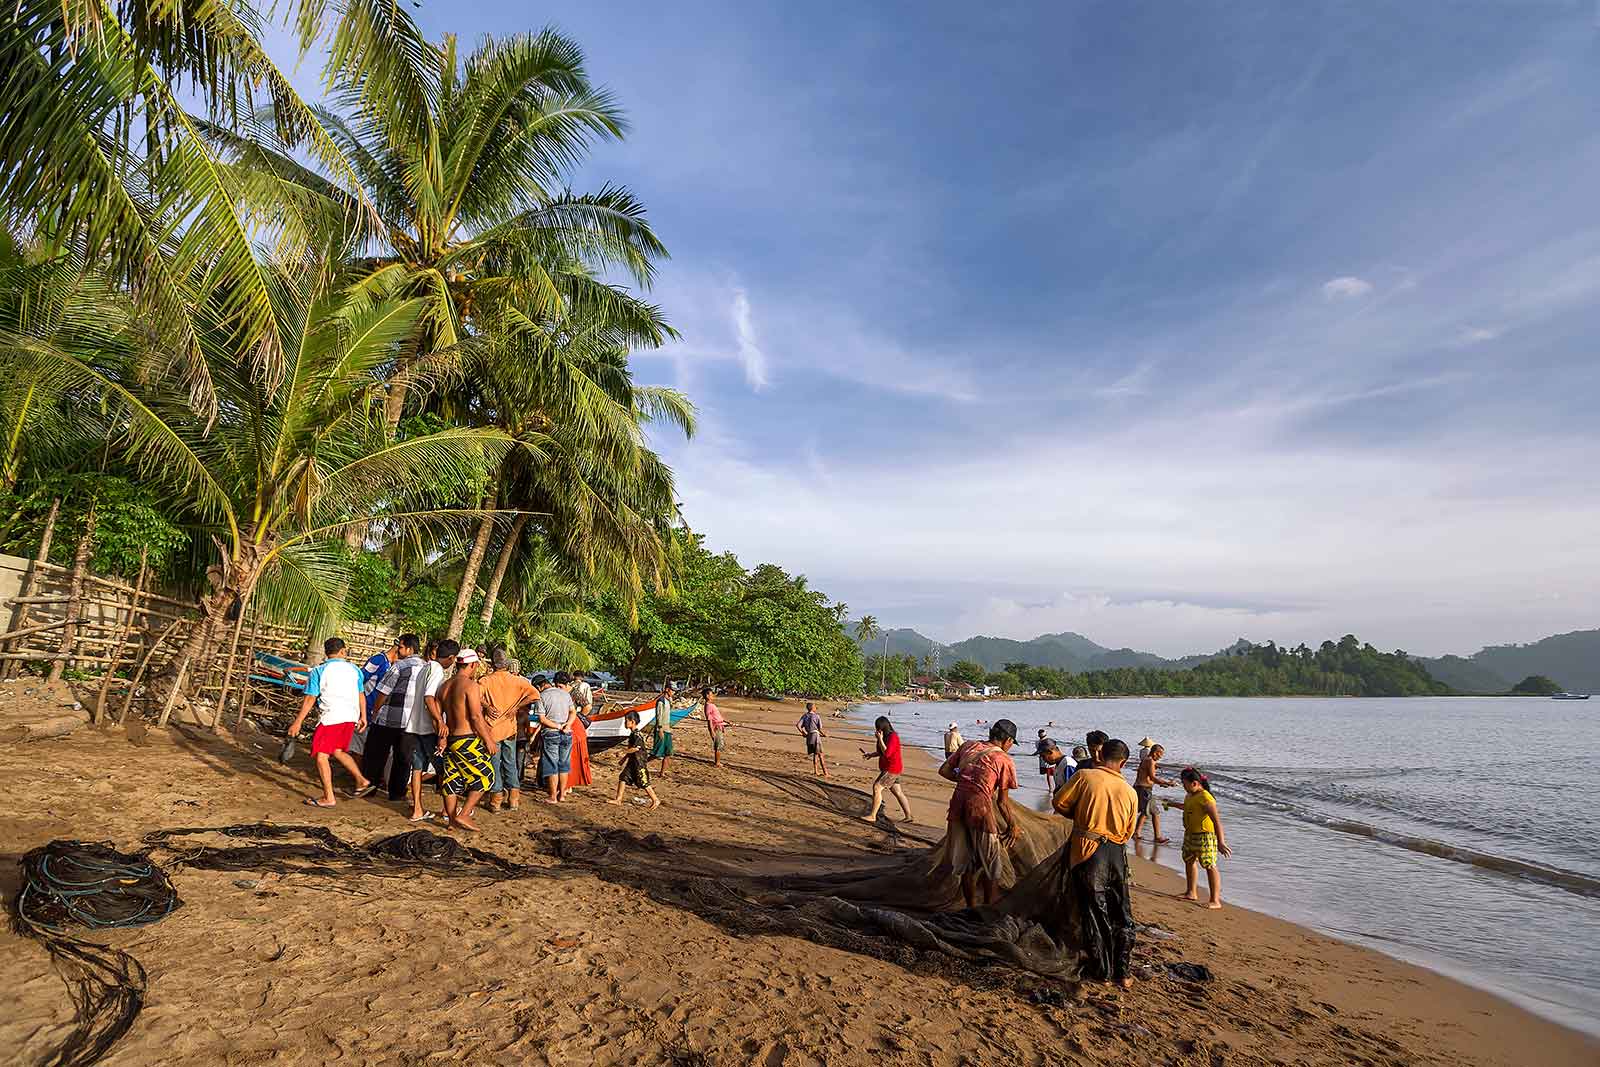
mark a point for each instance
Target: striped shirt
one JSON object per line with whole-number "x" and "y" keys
{"x": 400, "y": 693}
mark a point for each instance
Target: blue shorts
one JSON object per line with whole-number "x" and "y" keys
{"x": 506, "y": 774}
{"x": 555, "y": 753}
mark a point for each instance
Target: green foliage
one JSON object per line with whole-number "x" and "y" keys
{"x": 764, "y": 629}
{"x": 1347, "y": 668}
{"x": 966, "y": 670}
{"x": 895, "y": 672}
{"x": 129, "y": 516}
{"x": 1535, "y": 685}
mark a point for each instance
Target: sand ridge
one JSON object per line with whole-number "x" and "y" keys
{"x": 572, "y": 968}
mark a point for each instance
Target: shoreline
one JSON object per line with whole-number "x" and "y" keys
{"x": 298, "y": 971}
{"x": 1457, "y": 980}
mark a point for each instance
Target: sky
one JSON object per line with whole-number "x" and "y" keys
{"x": 1163, "y": 323}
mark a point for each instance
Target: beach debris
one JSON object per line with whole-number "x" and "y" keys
{"x": 1189, "y": 972}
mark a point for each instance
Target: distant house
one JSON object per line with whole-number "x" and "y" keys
{"x": 964, "y": 689}
{"x": 987, "y": 690}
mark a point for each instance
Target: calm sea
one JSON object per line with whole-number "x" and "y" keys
{"x": 1457, "y": 833}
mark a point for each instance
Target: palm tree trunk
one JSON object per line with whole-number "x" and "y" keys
{"x": 509, "y": 549}
{"x": 469, "y": 580}
{"x": 394, "y": 405}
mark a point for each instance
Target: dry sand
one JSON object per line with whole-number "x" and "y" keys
{"x": 296, "y": 970}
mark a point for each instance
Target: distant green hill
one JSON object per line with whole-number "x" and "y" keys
{"x": 1465, "y": 676}
{"x": 1572, "y": 659}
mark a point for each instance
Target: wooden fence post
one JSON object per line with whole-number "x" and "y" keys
{"x": 227, "y": 674}
{"x": 80, "y": 564}
{"x": 97, "y": 712}
{"x": 138, "y": 672}
{"x": 249, "y": 665}
{"x": 31, "y": 579}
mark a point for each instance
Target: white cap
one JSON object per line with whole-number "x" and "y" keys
{"x": 466, "y": 655}
{"x": 952, "y": 726}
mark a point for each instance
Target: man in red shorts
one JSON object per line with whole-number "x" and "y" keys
{"x": 334, "y": 686}
{"x": 984, "y": 775}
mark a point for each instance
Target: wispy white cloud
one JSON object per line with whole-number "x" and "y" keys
{"x": 1476, "y": 335}
{"x": 750, "y": 354}
{"x": 1345, "y": 287}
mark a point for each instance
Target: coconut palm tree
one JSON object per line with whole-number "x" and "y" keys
{"x": 277, "y": 473}
{"x": 99, "y": 153}
{"x": 464, "y": 161}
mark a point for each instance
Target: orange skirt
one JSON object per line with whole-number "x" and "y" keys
{"x": 580, "y": 755}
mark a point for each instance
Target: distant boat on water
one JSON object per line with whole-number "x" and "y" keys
{"x": 1570, "y": 696}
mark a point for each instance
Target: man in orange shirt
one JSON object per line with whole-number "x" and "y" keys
{"x": 1102, "y": 807}
{"x": 506, "y": 695}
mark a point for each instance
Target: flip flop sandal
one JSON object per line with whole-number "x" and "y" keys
{"x": 313, "y": 802}
{"x": 426, "y": 816}
{"x": 362, "y": 794}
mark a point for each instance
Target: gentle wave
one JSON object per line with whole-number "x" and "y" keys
{"x": 1571, "y": 881}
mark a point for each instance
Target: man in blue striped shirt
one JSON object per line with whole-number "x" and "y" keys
{"x": 398, "y": 693}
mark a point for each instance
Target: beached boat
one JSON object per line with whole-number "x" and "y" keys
{"x": 607, "y": 728}
{"x": 1570, "y": 696}
{"x": 276, "y": 670}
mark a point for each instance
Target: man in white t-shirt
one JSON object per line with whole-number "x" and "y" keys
{"x": 424, "y": 741}
{"x": 334, "y": 687}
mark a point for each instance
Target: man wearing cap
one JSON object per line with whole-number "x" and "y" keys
{"x": 952, "y": 740}
{"x": 984, "y": 777}
{"x": 469, "y": 751}
{"x": 1042, "y": 749}
{"x": 506, "y": 697}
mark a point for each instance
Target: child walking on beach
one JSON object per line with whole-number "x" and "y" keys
{"x": 810, "y": 725}
{"x": 1202, "y": 836}
{"x": 635, "y": 764}
{"x": 716, "y": 726}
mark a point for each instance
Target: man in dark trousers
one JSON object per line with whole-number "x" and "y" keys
{"x": 399, "y": 697}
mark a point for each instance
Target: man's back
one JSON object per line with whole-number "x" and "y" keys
{"x": 453, "y": 698}
{"x": 1100, "y": 802}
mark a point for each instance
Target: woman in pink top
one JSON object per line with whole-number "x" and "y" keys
{"x": 890, "y": 765}
{"x": 715, "y": 725}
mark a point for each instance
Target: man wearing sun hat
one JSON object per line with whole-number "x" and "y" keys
{"x": 1144, "y": 788}
{"x": 952, "y": 739}
{"x": 468, "y": 767}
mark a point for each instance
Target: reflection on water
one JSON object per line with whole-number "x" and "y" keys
{"x": 1434, "y": 829}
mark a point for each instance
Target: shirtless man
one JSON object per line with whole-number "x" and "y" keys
{"x": 468, "y": 766}
{"x": 1144, "y": 784}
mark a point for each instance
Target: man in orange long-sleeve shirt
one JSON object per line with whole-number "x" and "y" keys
{"x": 1103, "y": 808}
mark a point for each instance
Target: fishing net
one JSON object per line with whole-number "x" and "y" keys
{"x": 76, "y": 883}
{"x": 904, "y": 906}
{"x": 69, "y": 884}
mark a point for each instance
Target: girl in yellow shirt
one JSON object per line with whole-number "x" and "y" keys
{"x": 1202, "y": 836}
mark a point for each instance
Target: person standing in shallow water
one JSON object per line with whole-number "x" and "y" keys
{"x": 1101, "y": 805}
{"x": 1202, "y": 836}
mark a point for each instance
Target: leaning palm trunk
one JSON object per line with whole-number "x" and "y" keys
{"x": 469, "y": 580}
{"x": 232, "y": 582}
{"x": 491, "y": 596}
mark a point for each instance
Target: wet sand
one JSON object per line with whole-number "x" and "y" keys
{"x": 577, "y": 969}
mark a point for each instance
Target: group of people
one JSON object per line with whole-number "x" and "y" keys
{"x": 1106, "y": 813}
{"x": 412, "y": 714}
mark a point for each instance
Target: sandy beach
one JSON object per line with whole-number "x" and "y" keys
{"x": 577, "y": 968}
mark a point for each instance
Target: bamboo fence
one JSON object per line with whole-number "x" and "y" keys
{"x": 130, "y": 635}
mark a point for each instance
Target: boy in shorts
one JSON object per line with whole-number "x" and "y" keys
{"x": 334, "y": 686}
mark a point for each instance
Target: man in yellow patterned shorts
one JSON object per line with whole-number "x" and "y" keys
{"x": 468, "y": 769}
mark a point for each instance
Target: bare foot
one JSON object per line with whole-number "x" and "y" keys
{"x": 461, "y": 822}
{"x": 616, "y": 802}
{"x": 1126, "y": 983}
{"x": 1215, "y": 905}
{"x": 1187, "y": 896}
{"x": 1163, "y": 840}
{"x": 654, "y": 804}
{"x": 869, "y": 818}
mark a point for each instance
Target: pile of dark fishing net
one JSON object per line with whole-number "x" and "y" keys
{"x": 80, "y": 884}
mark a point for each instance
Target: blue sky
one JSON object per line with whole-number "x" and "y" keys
{"x": 1165, "y": 323}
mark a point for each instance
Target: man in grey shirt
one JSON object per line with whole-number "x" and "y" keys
{"x": 555, "y": 736}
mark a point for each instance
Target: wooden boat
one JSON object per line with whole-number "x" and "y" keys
{"x": 275, "y": 670}
{"x": 607, "y": 727}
